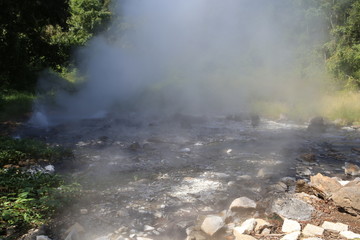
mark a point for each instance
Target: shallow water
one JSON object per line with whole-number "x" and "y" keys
{"x": 181, "y": 168}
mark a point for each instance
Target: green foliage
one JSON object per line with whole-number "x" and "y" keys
{"x": 23, "y": 49}
{"x": 86, "y": 18}
{"x": 28, "y": 198}
{"x": 20, "y": 151}
{"x": 343, "y": 50}
{"x": 39, "y": 34}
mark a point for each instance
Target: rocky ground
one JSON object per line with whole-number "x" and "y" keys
{"x": 163, "y": 178}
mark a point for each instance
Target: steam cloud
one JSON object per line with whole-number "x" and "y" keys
{"x": 195, "y": 56}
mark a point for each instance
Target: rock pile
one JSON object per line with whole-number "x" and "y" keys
{"x": 290, "y": 217}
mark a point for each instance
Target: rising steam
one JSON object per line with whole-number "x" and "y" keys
{"x": 195, "y": 56}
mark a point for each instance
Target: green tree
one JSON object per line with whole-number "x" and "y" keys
{"x": 23, "y": 49}
{"x": 343, "y": 50}
{"x": 35, "y": 35}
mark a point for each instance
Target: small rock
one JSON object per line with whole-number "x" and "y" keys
{"x": 266, "y": 231}
{"x": 243, "y": 177}
{"x": 83, "y": 211}
{"x": 291, "y": 236}
{"x": 247, "y": 227}
{"x": 260, "y": 225}
{"x": 228, "y": 151}
{"x": 231, "y": 183}
{"x": 303, "y": 171}
{"x": 308, "y": 157}
{"x": 189, "y": 230}
{"x": 185, "y": 150}
{"x": 312, "y": 230}
{"x": 311, "y": 238}
{"x": 349, "y": 235}
{"x": 316, "y": 125}
{"x": 325, "y": 184}
{"x": 212, "y": 224}
{"x": 290, "y": 226}
{"x": 336, "y": 227}
{"x": 50, "y": 168}
{"x": 42, "y": 237}
{"x": 348, "y": 197}
{"x": 143, "y": 238}
{"x": 292, "y": 208}
{"x": 244, "y": 237}
{"x": 103, "y": 238}
{"x": 121, "y": 238}
{"x": 241, "y": 203}
{"x": 342, "y": 182}
{"x": 263, "y": 173}
{"x": 148, "y": 228}
{"x": 134, "y": 146}
{"x": 352, "y": 169}
{"x": 255, "y": 120}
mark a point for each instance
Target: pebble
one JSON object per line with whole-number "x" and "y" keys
{"x": 212, "y": 224}
{"x": 291, "y": 236}
{"x": 312, "y": 230}
{"x": 261, "y": 224}
{"x": 290, "y": 226}
{"x": 148, "y": 228}
{"x": 312, "y": 238}
{"x": 246, "y": 227}
{"x": 83, "y": 211}
{"x": 185, "y": 150}
{"x": 336, "y": 227}
{"x": 242, "y": 202}
{"x": 349, "y": 235}
{"x": 244, "y": 237}
{"x": 42, "y": 237}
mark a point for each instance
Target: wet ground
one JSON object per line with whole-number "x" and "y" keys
{"x": 165, "y": 173}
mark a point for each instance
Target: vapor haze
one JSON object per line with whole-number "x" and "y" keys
{"x": 191, "y": 56}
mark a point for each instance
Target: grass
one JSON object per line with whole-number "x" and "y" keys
{"x": 342, "y": 107}
{"x": 15, "y": 106}
{"x": 29, "y": 199}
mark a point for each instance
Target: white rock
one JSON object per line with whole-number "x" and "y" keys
{"x": 148, "y": 228}
{"x": 261, "y": 224}
{"x": 103, "y": 238}
{"x": 290, "y": 226}
{"x": 244, "y": 237}
{"x": 246, "y": 227}
{"x": 185, "y": 150}
{"x": 343, "y": 183}
{"x": 244, "y": 177}
{"x": 189, "y": 230}
{"x": 312, "y": 238}
{"x": 312, "y": 230}
{"x": 337, "y": 227}
{"x": 242, "y": 202}
{"x": 42, "y": 237}
{"x": 83, "y": 211}
{"x": 349, "y": 235}
{"x": 50, "y": 168}
{"x": 266, "y": 231}
{"x": 229, "y": 151}
{"x": 291, "y": 236}
{"x": 212, "y": 224}
{"x": 143, "y": 238}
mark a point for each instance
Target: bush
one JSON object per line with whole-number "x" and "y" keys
{"x": 30, "y": 198}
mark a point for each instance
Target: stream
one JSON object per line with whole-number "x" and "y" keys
{"x": 154, "y": 177}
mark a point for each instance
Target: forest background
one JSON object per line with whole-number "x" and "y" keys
{"x": 39, "y": 35}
